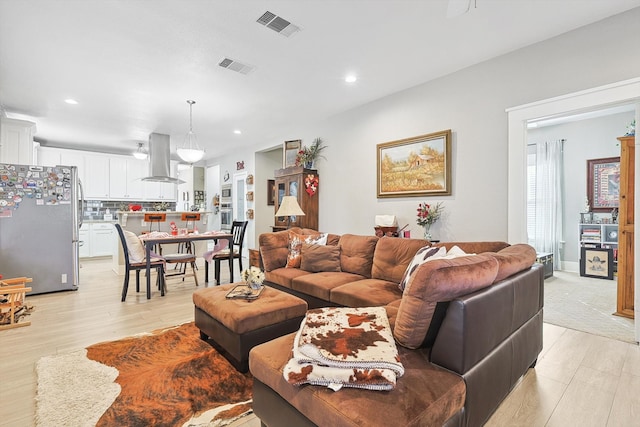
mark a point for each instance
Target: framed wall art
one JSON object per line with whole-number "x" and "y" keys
{"x": 290, "y": 152}
{"x": 596, "y": 262}
{"x": 603, "y": 183}
{"x": 418, "y": 166}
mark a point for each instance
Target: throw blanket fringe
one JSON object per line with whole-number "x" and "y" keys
{"x": 345, "y": 347}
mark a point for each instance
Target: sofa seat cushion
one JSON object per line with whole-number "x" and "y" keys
{"x": 284, "y": 276}
{"x": 366, "y": 293}
{"x": 424, "y": 395}
{"x": 320, "y": 284}
{"x": 437, "y": 281}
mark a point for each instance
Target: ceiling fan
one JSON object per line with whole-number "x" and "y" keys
{"x": 458, "y": 7}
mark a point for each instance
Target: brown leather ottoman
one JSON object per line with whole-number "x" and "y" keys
{"x": 236, "y": 325}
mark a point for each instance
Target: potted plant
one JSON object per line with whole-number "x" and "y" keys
{"x": 308, "y": 155}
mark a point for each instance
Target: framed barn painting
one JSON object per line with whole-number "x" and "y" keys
{"x": 603, "y": 183}
{"x": 418, "y": 166}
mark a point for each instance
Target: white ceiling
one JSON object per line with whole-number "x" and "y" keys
{"x": 132, "y": 64}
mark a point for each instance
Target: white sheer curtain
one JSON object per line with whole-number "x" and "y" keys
{"x": 549, "y": 199}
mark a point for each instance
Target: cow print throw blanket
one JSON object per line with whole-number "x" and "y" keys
{"x": 345, "y": 347}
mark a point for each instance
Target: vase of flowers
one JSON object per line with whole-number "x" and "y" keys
{"x": 254, "y": 277}
{"x": 307, "y": 156}
{"x": 427, "y": 215}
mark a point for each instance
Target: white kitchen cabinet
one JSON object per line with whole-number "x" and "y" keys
{"x": 85, "y": 242}
{"x": 74, "y": 158}
{"x": 161, "y": 191}
{"x": 102, "y": 237}
{"x": 51, "y": 156}
{"x": 96, "y": 180}
{"x": 16, "y": 142}
{"x": 125, "y": 178}
{"x": 48, "y": 156}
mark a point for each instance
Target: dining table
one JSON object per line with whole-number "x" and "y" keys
{"x": 150, "y": 240}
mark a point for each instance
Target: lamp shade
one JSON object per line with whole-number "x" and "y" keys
{"x": 289, "y": 206}
{"x": 190, "y": 151}
{"x": 140, "y": 153}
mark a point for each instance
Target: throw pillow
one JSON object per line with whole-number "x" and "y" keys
{"x": 134, "y": 247}
{"x": 318, "y": 258}
{"x": 295, "y": 245}
{"x": 423, "y": 255}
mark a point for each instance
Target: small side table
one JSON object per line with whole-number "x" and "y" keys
{"x": 546, "y": 259}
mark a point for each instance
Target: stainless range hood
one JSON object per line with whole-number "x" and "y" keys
{"x": 160, "y": 160}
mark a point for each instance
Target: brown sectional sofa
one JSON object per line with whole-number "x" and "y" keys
{"x": 468, "y": 328}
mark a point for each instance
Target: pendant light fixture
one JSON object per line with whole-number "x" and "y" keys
{"x": 190, "y": 151}
{"x": 140, "y": 153}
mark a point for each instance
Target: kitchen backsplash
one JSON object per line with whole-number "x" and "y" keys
{"x": 96, "y": 209}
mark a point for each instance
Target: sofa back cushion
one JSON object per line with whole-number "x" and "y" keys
{"x": 475, "y": 247}
{"x": 274, "y": 249}
{"x": 392, "y": 257}
{"x": 514, "y": 259}
{"x": 356, "y": 254}
{"x": 436, "y": 281}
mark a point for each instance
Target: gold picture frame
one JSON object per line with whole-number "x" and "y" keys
{"x": 415, "y": 167}
{"x": 290, "y": 152}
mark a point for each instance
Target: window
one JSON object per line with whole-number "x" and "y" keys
{"x": 531, "y": 195}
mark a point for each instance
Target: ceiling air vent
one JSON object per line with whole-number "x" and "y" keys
{"x": 278, "y": 24}
{"x": 236, "y": 66}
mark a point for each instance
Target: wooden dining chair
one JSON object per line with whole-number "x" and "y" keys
{"x": 238, "y": 229}
{"x": 137, "y": 262}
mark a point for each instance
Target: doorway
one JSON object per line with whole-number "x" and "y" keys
{"x": 627, "y": 92}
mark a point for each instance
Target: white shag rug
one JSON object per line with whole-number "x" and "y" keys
{"x": 73, "y": 390}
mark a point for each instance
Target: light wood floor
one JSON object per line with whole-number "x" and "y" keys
{"x": 580, "y": 379}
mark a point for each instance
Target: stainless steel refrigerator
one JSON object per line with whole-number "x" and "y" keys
{"x": 40, "y": 216}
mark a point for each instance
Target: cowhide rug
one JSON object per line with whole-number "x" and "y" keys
{"x": 166, "y": 378}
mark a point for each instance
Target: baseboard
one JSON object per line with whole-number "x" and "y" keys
{"x": 570, "y": 266}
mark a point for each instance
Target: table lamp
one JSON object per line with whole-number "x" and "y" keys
{"x": 289, "y": 207}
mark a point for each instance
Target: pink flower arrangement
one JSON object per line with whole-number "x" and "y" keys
{"x": 428, "y": 214}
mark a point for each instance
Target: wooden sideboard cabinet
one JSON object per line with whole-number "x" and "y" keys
{"x": 304, "y": 185}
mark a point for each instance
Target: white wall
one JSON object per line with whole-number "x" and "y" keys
{"x": 585, "y": 139}
{"x": 472, "y": 103}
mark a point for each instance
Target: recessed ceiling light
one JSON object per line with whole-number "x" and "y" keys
{"x": 71, "y": 101}
{"x": 351, "y": 78}
{"x": 237, "y": 131}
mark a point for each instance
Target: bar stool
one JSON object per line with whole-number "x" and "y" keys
{"x": 155, "y": 217}
{"x": 190, "y": 217}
